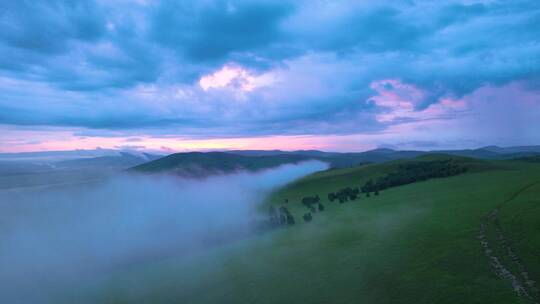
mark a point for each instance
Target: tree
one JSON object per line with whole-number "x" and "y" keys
{"x": 331, "y": 196}
{"x": 321, "y": 207}
{"x": 308, "y": 201}
{"x": 367, "y": 194}
{"x": 307, "y": 217}
{"x": 376, "y": 192}
{"x": 415, "y": 171}
{"x": 368, "y": 186}
{"x": 290, "y": 219}
{"x": 282, "y": 219}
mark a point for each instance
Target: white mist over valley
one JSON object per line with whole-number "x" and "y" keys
{"x": 51, "y": 237}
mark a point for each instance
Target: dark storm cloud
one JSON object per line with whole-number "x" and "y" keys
{"x": 48, "y": 27}
{"x": 212, "y": 31}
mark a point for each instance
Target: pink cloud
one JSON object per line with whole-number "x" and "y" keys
{"x": 490, "y": 115}
{"x": 399, "y": 101}
{"x": 505, "y": 115}
{"x": 52, "y": 140}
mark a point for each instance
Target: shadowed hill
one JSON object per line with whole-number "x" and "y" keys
{"x": 203, "y": 164}
{"x": 200, "y": 164}
{"x": 121, "y": 161}
{"x": 339, "y": 160}
{"x": 343, "y": 160}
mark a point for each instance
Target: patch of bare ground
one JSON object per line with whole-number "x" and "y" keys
{"x": 503, "y": 257}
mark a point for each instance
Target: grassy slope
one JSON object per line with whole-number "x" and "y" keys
{"x": 520, "y": 222}
{"x": 413, "y": 244}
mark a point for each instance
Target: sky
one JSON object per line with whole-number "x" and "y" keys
{"x": 215, "y": 75}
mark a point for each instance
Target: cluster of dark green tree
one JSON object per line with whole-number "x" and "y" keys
{"x": 412, "y": 172}
{"x": 313, "y": 203}
{"x": 404, "y": 174}
{"x": 309, "y": 201}
{"x": 343, "y": 195}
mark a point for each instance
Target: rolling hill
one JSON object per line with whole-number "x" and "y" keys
{"x": 198, "y": 164}
{"x": 121, "y": 161}
{"x": 340, "y": 160}
{"x": 24, "y": 170}
{"x": 348, "y": 159}
{"x": 417, "y": 243}
{"x": 206, "y": 163}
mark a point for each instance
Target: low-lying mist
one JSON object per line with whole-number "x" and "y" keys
{"x": 51, "y": 237}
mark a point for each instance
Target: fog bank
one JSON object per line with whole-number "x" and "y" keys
{"x": 53, "y": 237}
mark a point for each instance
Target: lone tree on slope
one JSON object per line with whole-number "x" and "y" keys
{"x": 282, "y": 219}
{"x": 290, "y": 219}
{"x": 331, "y": 196}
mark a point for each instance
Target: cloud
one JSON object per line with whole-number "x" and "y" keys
{"x": 400, "y": 103}
{"x": 504, "y": 115}
{"x": 130, "y": 147}
{"x": 242, "y": 68}
{"x": 232, "y": 77}
{"x": 49, "y": 27}
{"x": 213, "y": 30}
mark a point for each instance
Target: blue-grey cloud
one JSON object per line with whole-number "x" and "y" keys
{"x": 213, "y": 30}
{"x": 85, "y": 63}
{"x": 48, "y": 27}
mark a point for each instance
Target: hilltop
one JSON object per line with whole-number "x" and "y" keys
{"x": 199, "y": 164}
{"x": 207, "y": 163}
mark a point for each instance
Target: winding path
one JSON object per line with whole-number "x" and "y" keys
{"x": 507, "y": 264}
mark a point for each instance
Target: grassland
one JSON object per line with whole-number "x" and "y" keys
{"x": 412, "y": 244}
{"x": 521, "y": 221}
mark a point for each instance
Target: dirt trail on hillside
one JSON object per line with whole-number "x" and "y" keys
{"x": 507, "y": 264}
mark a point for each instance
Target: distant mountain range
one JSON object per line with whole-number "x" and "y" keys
{"x": 337, "y": 159}
{"x": 99, "y": 159}
{"x": 54, "y": 156}
{"x": 207, "y": 163}
{"x": 202, "y": 164}
{"x": 120, "y": 161}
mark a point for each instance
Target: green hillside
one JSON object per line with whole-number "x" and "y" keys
{"x": 416, "y": 243}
